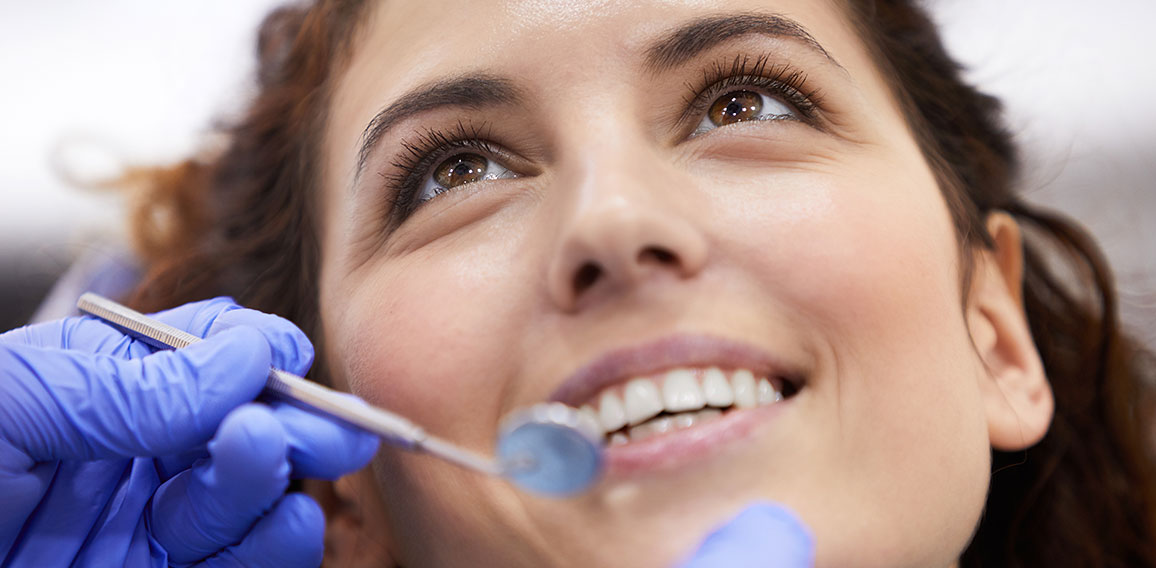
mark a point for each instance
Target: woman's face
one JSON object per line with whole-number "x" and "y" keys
{"x": 570, "y": 200}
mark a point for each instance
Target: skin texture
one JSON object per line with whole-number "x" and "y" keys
{"x": 829, "y": 247}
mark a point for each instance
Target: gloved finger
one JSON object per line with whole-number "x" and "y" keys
{"x": 319, "y": 447}
{"x": 93, "y": 335}
{"x": 292, "y": 351}
{"x": 82, "y": 333}
{"x": 292, "y": 535}
{"x": 762, "y": 535}
{"x": 173, "y": 464}
{"x": 198, "y": 318}
{"x": 61, "y": 404}
{"x": 214, "y": 504}
{"x": 324, "y": 448}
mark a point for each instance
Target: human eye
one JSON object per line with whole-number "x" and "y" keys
{"x": 438, "y": 162}
{"x": 457, "y": 170}
{"x": 750, "y": 90}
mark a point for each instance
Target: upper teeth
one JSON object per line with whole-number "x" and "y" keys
{"x": 681, "y": 390}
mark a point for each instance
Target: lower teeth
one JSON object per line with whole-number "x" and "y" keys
{"x": 663, "y": 425}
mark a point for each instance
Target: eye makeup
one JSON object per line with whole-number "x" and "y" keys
{"x": 421, "y": 155}
{"x": 744, "y": 73}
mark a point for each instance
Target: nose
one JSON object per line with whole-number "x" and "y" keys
{"x": 621, "y": 231}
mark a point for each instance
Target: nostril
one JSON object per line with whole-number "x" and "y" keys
{"x": 658, "y": 255}
{"x": 586, "y": 276}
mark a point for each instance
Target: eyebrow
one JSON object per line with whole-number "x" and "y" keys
{"x": 480, "y": 90}
{"x": 691, "y": 39}
{"x": 473, "y": 91}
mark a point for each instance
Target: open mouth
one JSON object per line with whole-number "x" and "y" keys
{"x": 681, "y": 398}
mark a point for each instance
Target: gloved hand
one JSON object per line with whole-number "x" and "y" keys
{"x": 762, "y": 536}
{"x": 105, "y": 450}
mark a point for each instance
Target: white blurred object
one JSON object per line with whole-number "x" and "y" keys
{"x": 103, "y": 84}
{"x": 1080, "y": 93}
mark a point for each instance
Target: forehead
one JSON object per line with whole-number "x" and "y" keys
{"x": 556, "y": 50}
{"x": 419, "y": 39}
{"x": 405, "y": 43}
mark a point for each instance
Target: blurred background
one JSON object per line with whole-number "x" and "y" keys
{"x": 89, "y": 87}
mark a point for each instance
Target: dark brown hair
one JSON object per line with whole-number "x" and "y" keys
{"x": 1084, "y": 496}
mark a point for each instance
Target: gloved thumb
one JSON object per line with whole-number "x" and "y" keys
{"x": 62, "y": 404}
{"x": 763, "y": 535}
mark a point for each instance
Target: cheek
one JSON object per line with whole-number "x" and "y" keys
{"x": 867, "y": 268}
{"x": 419, "y": 336}
{"x": 859, "y": 255}
{"x": 434, "y": 337}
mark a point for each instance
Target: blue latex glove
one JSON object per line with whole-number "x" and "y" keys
{"x": 763, "y": 535}
{"x": 113, "y": 455}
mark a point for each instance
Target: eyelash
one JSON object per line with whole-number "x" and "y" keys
{"x": 424, "y": 153}
{"x": 780, "y": 80}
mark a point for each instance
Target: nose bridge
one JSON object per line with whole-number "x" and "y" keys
{"x": 626, "y": 217}
{"x": 609, "y": 188}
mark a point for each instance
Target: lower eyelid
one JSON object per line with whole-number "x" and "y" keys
{"x": 772, "y": 118}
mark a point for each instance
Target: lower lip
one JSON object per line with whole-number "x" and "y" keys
{"x": 676, "y": 450}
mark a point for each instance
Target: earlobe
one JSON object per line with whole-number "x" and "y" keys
{"x": 1017, "y": 397}
{"x": 355, "y": 532}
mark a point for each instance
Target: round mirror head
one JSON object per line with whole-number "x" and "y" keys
{"x": 550, "y": 449}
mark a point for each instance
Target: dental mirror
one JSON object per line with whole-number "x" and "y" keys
{"x": 550, "y": 448}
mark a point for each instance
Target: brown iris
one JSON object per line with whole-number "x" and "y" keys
{"x": 459, "y": 170}
{"x": 734, "y": 107}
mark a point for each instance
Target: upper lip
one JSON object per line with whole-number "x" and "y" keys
{"x": 620, "y": 365}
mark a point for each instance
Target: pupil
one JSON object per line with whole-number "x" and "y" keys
{"x": 462, "y": 169}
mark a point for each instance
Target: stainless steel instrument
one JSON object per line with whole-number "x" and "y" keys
{"x": 548, "y": 448}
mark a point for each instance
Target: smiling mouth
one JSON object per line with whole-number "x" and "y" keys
{"x": 672, "y": 400}
{"x": 681, "y": 398}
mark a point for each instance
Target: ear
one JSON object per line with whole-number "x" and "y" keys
{"x": 1017, "y": 397}
{"x": 356, "y": 534}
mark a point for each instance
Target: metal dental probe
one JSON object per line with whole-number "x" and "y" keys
{"x": 548, "y": 448}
